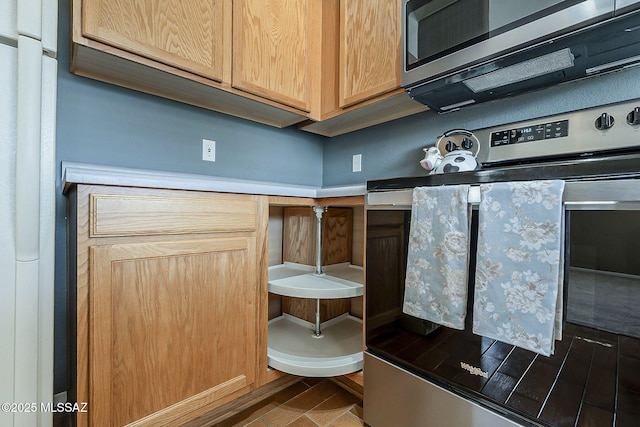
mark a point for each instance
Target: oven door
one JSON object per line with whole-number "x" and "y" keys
{"x": 593, "y": 378}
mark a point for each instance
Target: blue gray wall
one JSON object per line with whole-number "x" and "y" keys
{"x": 394, "y": 149}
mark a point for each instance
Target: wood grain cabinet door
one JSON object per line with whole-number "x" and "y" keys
{"x": 385, "y": 273}
{"x": 194, "y": 35}
{"x": 369, "y": 49}
{"x": 271, "y": 45}
{"x": 172, "y": 327}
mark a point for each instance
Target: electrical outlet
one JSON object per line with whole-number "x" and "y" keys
{"x": 357, "y": 163}
{"x": 208, "y": 150}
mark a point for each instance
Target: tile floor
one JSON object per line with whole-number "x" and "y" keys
{"x": 311, "y": 402}
{"x": 308, "y": 403}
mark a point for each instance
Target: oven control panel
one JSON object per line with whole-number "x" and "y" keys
{"x": 588, "y": 132}
{"x": 537, "y": 132}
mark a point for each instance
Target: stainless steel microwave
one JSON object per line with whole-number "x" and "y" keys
{"x": 461, "y": 52}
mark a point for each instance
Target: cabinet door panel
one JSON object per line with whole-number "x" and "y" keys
{"x": 172, "y": 323}
{"x": 384, "y": 274}
{"x": 193, "y": 35}
{"x": 271, "y": 49}
{"x": 369, "y": 49}
{"x": 118, "y": 215}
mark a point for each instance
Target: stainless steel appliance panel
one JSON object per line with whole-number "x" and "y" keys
{"x": 463, "y": 52}
{"x": 509, "y": 11}
{"x": 623, "y": 5}
{"x": 623, "y": 194}
{"x": 417, "y": 403}
{"x": 582, "y": 136}
{"x": 420, "y": 373}
{"x": 591, "y": 377}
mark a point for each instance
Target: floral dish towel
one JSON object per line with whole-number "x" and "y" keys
{"x": 438, "y": 258}
{"x": 519, "y": 268}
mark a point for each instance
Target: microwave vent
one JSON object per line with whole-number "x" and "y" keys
{"x": 545, "y": 64}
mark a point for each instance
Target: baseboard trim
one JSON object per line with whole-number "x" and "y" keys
{"x": 235, "y": 406}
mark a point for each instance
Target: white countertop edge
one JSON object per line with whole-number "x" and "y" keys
{"x": 344, "y": 190}
{"x": 84, "y": 173}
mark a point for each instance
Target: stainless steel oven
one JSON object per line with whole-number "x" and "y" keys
{"x": 417, "y": 372}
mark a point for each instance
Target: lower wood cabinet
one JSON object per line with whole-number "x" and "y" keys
{"x": 168, "y": 302}
{"x": 386, "y": 234}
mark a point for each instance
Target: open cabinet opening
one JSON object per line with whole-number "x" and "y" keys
{"x": 315, "y": 302}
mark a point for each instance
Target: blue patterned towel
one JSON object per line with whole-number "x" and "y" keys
{"x": 438, "y": 258}
{"x": 519, "y": 269}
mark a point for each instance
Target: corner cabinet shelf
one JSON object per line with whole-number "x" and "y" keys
{"x": 323, "y": 349}
{"x": 297, "y": 280}
{"x": 294, "y": 348}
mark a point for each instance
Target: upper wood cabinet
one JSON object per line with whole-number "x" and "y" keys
{"x": 175, "y": 49}
{"x": 193, "y": 35}
{"x": 271, "y": 46}
{"x": 329, "y": 66}
{"x": 365, "y": 78}
{"x": 369, "y": 49}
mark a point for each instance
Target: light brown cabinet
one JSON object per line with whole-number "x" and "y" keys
{"x": 169, "y": 302}
{"x": 329, "y": 66}
{"x": 271, "y": 46}
{"x": 173, "y": 49}
{"x": 193, "y": 35}
{"x": 364, "y": 86}
{"x": 369, "y": 49}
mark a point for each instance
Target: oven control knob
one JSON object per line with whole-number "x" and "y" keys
{"x": 604, "y": 122}
{"x": 467, "y": 143}
{"x": 450, "y": 146}
{"x": 633, "y": 118}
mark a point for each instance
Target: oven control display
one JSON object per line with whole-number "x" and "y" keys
{"x": 530, "y": 133}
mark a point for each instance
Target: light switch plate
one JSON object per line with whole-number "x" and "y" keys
{"x": 357, "y": 163}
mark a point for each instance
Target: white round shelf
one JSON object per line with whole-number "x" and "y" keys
{"x": 296, "y": 280}
{"x": 294, "y": 349}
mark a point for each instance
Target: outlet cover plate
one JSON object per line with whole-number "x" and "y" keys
{"x": 208, "y": 150}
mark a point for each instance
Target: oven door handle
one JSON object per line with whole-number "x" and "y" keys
{"x": 402, "y": 199}
{"x": 610, "y": 194}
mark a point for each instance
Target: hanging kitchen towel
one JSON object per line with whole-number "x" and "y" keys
{"x": 519, "y": 267}
{"x": 438, "y": 258}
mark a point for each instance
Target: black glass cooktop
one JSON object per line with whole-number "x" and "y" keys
{"x": 608, "y": 167}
